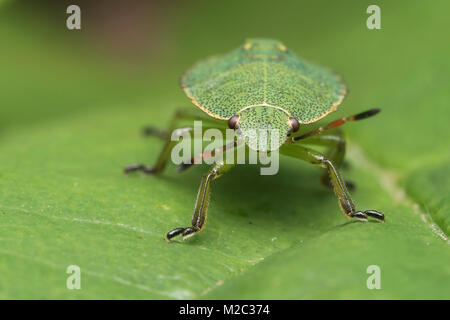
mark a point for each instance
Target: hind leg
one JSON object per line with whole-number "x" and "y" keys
{"x": 336, "y": 146}
{"x": 339, "y": 188}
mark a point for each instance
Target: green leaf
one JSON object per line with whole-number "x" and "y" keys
{"x": 65, "y": 201}
{"x": 431, "y": 189}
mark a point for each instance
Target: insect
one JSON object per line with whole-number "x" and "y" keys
{"x": 264, "y": 85}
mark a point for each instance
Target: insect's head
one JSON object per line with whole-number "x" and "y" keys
{"x": 263, "y": 128}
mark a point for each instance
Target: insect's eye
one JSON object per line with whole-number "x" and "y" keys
{"x": 233, "y": 121}
{"x": 295, "y": 125}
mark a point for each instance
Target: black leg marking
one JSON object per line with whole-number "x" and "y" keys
{"x": 174, "y": 233}
{"x": 153, "y": 131}
{"x": 359, "y": 215}
{"x": 139, "y": 167}
{"x": 188, "y": 232}
{"x": 184, "y": 166}
{"x": 337, "y": 123}
{"x": 368, "y": 213}
{"x": 365, "y": 114}
{"x": 375, "y": 214}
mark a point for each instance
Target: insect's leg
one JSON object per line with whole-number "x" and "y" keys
{"x": 336, "y": 145}
{"x": 163, "y": 158}
{"x": 206, "y": 155}
{"x": 150, "y": 131}
{"x": 345, "y": 201}
{"x": 337, "y": 123}
{"x": 201, "y": 204}
{"x": 179, "y": 115}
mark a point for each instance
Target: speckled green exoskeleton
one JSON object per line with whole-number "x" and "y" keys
{"x": 263, "y": 85}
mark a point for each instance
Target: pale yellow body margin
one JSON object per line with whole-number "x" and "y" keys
{"x": 332, "y": 109}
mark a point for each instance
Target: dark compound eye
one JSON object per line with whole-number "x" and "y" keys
{"x": 233, "y": 121}
{"x": 295, "y": 125}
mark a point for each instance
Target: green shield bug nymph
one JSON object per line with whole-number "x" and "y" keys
{"x": 263, "y": 85}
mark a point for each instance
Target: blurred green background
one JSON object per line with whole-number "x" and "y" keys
{"x": 71, "y": 106}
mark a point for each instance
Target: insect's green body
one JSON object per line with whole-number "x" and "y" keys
{"x": 263, "y": 82}
{"x": 264, "y": 86}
